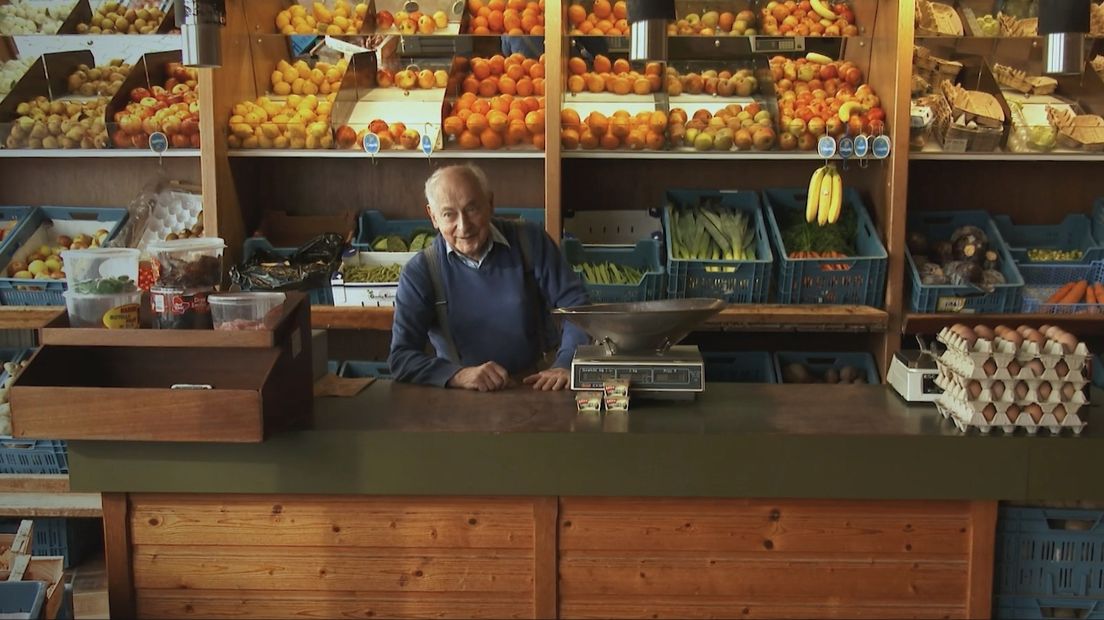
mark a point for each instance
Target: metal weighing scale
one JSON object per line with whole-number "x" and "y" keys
{"x": 637, "y": 341}
{"x": 913, "y": 373}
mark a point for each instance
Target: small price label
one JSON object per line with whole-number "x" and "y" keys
{"x": 881, "y": 147}
{"x": 826, "y": 147}
{"x": 427, "y": 144}
{"x": 158, "y": 142}
{"x": 371, "y": 143}
{"x": 846, "y": 147}
{"x": 862, "y": 146}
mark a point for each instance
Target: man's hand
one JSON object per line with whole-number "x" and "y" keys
{"x": 551, "y": 379}
{"x": 489, "y": 377}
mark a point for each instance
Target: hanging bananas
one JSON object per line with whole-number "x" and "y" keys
{"x": 825, "y": 201}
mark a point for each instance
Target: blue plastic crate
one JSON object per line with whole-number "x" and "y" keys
{"x": 26, "y": 292}
{"x": 1074, "y": 233}
{"x": 1007, "y": 297}
{"x": 372, "y": 224}
{"x": 858, "y": 280}
{"x": 817, "y": 363}
{"x": 1042, "y": 281}
{"x": 33, "y": 456}
{"x": 644, "y": 256}
{"x": 15, "y": 216}
{"x": 22, "y": 599}
{"x": 1050, "y": 552}
{"x": 739, "y": 367}
{"x": 358, "y": 370}
{"x": 321, "y": 296}
{"x": 71, "y": 538}
{"x": 748, "y": 282}
{"x": 1044, "y": 608}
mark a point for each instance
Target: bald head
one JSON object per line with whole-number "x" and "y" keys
{"x": 461, "y": 206}
{"x": 448, "y": 179}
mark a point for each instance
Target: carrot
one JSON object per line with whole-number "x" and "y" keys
{"x": 1099, "y": 292}
{"x": 1090, "y": 295}
{"x": 1060, "y": 293}
{"x": 1076, "y": 294}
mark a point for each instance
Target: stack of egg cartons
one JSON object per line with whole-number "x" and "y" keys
{"x": 1003, "y": 378}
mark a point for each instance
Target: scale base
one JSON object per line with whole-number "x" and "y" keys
{"x": 678, "y": 371}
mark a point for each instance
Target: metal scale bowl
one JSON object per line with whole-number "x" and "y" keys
{"x": 637, "y": 341}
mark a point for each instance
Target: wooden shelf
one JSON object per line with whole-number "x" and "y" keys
{"x": 730, "y": 155}
{"x": 34, "y": 483}
{"x": 1083, "y": 326}
{"x": 27, "y": 317}
{"x": 95, "y": 153}
{"x": 760, "y": 318}
{"x": 51, "y": 505}
{"x": 396, "y": 154}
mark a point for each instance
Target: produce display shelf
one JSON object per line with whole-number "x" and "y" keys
{"x": 28, "y": 317}
{"x": 1084, "y": 325}
{"x": 34, "y": 483}
{"x": 51, "y": 505}
{"x": 392, "y": 154}
{"x": 94, "y": 153}
{"x": 733, "y": 155}
{"x": 738, "y": 317}
{"x": 938, "y": 155}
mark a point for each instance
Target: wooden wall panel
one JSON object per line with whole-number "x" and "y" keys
{"x": 756, "y": 558}
{"x": 86, "y": 182}
{"x": 271, "y": 557}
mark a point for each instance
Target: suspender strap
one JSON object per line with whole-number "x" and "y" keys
{"x": 440, "y": 303}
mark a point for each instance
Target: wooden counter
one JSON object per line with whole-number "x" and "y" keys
{"x": 753, "y": 501}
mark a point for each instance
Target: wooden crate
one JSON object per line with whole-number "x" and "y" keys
{"x": 16, "y": 564}
{"x": 261, "y": 383}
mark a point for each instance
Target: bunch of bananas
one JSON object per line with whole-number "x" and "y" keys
{"x": 825, "y": 201}
{"x": 609, "y": 273}
{"x": 379, "y": 273}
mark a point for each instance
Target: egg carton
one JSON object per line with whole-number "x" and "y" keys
{"x": 172, "y": 211}
{"x": 1077, "y": 380}
{"x": 1052, "y": 352}
{"x": 966, "y": 413}
{"x": 972, "y": 366}
{"x": 982, "y": 350}
{"x": 965, "y": 418}
{"x": 982, "y": 400}
{"x": 998, "y": 349}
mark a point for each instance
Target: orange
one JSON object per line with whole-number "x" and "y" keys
{"x": 620, "y": 9}
{"x": 576, "y": 84}
{"x": 603, "y": 26}
{"x": 516, "y": 5}
{"x": 569, "y": 138}
{"x": 536, "y": 71}
{"x": 622, "y": 25}
{"x": 588, "y": 140}
{"x": 490, "y": 140}
{"x": 512, "y": 20}
{"x": 525, "y": 87}
{"x": 470, "y": 85}
{"x": 516, "y": 134}
{"x": 515, "y": 71}
{"x": 527, "y": 64}
{"x": 618, "y": 85}
{"x": 602, "y": 8}
{"x": 517, "y": 58}
{"x": 453, "y": 126}
{"x": 653, "y": 68}
{"x": 595, "y": 83}
{"x": 658, "y": 122}
{"x": 636, "y": 139}
{"x": 609, "y": 142}
{"x": 484, "y": 12}
{"x": 479, "y": 22}
{"x": 494, "y": 21}
{"x": 602, "y": 64}
{"x": 531, "y": 104}
{"x": 654, "y": 141}
{"x": 507, "y": 85}
{"x": 569, "y": 118}
{"x": 463, "y": 115}
{"x": 481, "y": 30}
{"x": 516, "y": 32}
{"x": 480, "y": 68}
{"x": 474, "y": 6}
{"x": 538, "y": 87}
{"x": 516, "y": 115}
{"x": 529, "y": 22}
{"x": 488, "y": 87}
{"x": 480, "y": 106}
{"x": 576, "y": 66}
{"x": 497, "y": 5}
{"x": 598, "y": 123}
{"x": 642, "y": 86}
{"x": 585, "y": 27}
{"x": 621, "y": 66}
{"x": 497, "y": 121}
{"x": 654, "y": 82}
{"x": 477, "y": 123}
{"x": 534, "y": 121}
{"x": 620, "y": 126}
{"x": 498, "y": 64}
{"x": 468, "y": 140}
{"x": 538, "y": 141}
{"x": 576, "y": 14}
{"x": 622, "y": 114}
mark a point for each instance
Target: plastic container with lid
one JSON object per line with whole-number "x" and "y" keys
{"x": 116, "y": 311}
{"x": 246, "y": 311}
{"x": 193, "y": 264}
{"x": 101, "y": 270}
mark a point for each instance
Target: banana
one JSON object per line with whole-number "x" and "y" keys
{"x": 814, "y": 194}
{"x": 837, "y": 197}
{"x": 822, "y": 9}
{"x": 825, "y": 198}
{"x": 818, "y": 58}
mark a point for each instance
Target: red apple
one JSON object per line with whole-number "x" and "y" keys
{"x": 397, "y": 130}
{"x": 180, "y": 141}
{"x": 853, "y": 76}
{"x": 384, "y": 78}
{"x": 384, "y": 20}
{"x": 426, "y": 25}
{"x": 195, "y": 141}
{"x": 139, "y": 94}
{"x": 408, "y": 27}
{"x": 377, "y": 126}
{"x": 806, "y": 142}
{"x": 410, "y": 139}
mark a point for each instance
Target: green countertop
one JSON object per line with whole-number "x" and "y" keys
{"x": 804, "y": 441}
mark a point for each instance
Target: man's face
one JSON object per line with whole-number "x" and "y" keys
{"x": 462, "y": 215}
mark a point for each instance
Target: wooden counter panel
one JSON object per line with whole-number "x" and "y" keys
{"x": 905, "y": 529}
{"x": 313, "y": 521}
{"x": 328, "y": 604}
{"x": 725, "y": 607}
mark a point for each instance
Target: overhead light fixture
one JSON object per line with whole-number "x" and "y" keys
{"x": 1063, "y": 24}
{"x": 201, "y": 23}
{"x": 648, "y": 28}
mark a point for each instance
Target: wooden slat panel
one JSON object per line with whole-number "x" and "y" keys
{"x": 308, "y": 523}
{"x": 607, "y": 607}
{"x": 660, "y": 505}
{"x": 34, "y": 483}
{"x": 983, "y": 539}
{"x": 315, "y": 568}
{"x": 117, "y": 560}
{"x": 545, "y": 571}
{"x": 815, "y": 581}
{"x": 327, "y": 604}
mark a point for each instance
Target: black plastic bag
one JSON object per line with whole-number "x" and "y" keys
{"x": 309, "y": 267}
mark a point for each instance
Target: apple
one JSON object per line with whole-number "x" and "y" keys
{"x": 386, "y": 141}
{"x": 834, "y": 126}
{"x": 408, "y": 27}
{"x": 384, "y": 20}
{"x": 180, "y": 89}
{"x": 345, "y": 137}
{"x": 406, "y": 79}
{"x": 149, "y": 102}
{"x": 440, "y": 78}
{"x": 396, "y": 130}
{"x": 189, "y": 126}
{"x": 410, "y": 139}
{"x": 853, "y": 76}
{"x": 426, "y": 79}
{"x": 806, "y": 142}
{"x": 384, "y": 78}
{"x": 378, "y": 127}
{"x": 426, "y": 25}
{"x": 440, "y": 19}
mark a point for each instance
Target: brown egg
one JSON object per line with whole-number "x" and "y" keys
{"x": 1060, "y": 413}
{"x": 1036, "y": 367}
{"x": 1035, "y": 411}
{"x": 974, "y": 389}
{"x": 1014, "y": 337}
{"x": 1068, "y": 391}
{"x": 1000, "y": 329}
{"x": 1062, "y": 368}
{"x": 989, "y": 411}
{"x": 1021, "y": 390}
{"x": 966, "y": 334}
{"x": 1068, "y": 342}
{"x": 1046, "y": 329}
{"x": 1044, "y": 390}
{"x": 1022, "y": 329}
{"x": 1014, "y": 368}
{"x": 998, "y": 390}
{"x": 1036, "y": 337}
{"x": 984, "y": 332}
{"x": 989, "y": 367}
{"x": 1012, "y": 412}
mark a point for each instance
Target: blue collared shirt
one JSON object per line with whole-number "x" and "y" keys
{"x": 496, "y": 237}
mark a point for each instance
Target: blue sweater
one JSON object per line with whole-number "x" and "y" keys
{"x": 489, "y": 317}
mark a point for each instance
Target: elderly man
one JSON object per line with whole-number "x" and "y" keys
{"x": 480, "y": 294}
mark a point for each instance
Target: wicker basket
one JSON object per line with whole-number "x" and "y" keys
{"x": 937, "y": 19}
{"x": 1078, "y": 132}
{"x": 1021, "y": 81}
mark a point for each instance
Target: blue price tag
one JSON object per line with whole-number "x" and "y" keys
{"x": 427, "y": 144}
{"x": 158, "y": 142}
{"x": 862, "y": 146}
{"x": 826, "y": 147}
{"x": 846, "y": 147}
{"x": 371, "y": 143}
{"x": 881, "y": 147}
